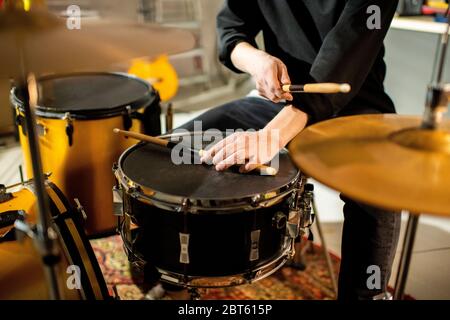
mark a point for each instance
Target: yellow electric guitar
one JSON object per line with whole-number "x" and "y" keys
{"x": 159, "y": 73}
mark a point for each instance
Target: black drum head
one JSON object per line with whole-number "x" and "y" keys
{"x": 91, "y": 94}
{"x": 151, "y": 166}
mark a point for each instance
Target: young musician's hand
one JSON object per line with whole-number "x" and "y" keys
{"x": 269, "y": 72}
{"x": 248, "y": 149}
{"x": 252, "y": 148}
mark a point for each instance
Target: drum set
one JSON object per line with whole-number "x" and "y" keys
{"x": 198, "y": 227}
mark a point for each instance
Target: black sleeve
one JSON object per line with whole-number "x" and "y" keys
{"x": 347, "y": 55}
{"x": 237, "y": 21}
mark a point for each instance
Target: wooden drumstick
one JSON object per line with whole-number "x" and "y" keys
{"x": 262, "y": 169}
{"x": 317, "y": 88}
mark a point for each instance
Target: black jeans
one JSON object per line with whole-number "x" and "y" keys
{"x": 370, "y": 235}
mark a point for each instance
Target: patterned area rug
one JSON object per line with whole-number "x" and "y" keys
{"x": 286, "y": 284}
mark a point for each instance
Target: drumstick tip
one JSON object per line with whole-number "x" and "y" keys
{"x": 345, "y": 88}
{"x": 116, "y": 130}
{"x": 268, "y": 171}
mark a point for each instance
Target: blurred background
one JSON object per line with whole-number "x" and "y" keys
{"x": 203, "y": 82}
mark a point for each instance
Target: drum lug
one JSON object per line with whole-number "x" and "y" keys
{"x": 307, "y": 217}
{"x": 40, "y": 128}
{"x": 69, "y": 128}
{"x": 127, "y": 119}
{"x": 80, "y": 209}
{"x": 184, "y": 248}
{"x": 117, "y": 201}
{"x": 185, "y": 205}
{"x": 254, "y": 245}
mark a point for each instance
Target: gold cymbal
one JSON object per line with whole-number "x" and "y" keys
{"x": 383, "y": 160}
{"x": 41, "y": 43}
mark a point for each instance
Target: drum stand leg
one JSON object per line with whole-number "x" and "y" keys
{"x": 43, "y": 239}
{"x": 298, "y": 261}
{"x": 405, "y": 258}
{"x": 325, "y": 250}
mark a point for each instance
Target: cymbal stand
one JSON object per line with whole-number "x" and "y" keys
{"x": 43, "y": 235}
{"x": 435, "y": 107}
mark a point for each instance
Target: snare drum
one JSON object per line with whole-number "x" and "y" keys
{"x": 22, "y": 275}
{"x": 75, "y": 119}
{"x": 203, "y": 228}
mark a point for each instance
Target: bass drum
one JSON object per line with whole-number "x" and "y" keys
{"x": 22, "y": 276}
{"x": 75, "y": 116}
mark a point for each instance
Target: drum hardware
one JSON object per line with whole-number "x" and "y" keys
{"x": 117, "y": 201}
{"x": 28, "y": 183}
{"x": 69, "y": 127}
{"x": 184, "y": 248}
{"x": 262, "y": 169}
{"x": 177, "y": 204}
{"x": 7, "y": 218}
{"x": 40, "y": 128}
{"x": 127, "y": 122}
{"x": 254, "y": 245}
{"x": 4, "y": 196}
{"x": 80, "y": 209}
{"x": 45, "y": 242}
{"x": 218, "y": 282}
{"x": 307, "y": 217}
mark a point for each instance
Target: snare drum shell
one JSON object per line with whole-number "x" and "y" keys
{"x": 220, "y": 244}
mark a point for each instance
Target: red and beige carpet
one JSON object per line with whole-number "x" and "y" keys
{"x": 286, "y": 284}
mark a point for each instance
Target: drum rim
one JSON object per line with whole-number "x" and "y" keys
{"x": 170, "y": 202}
{"x": 55, "y": 113}
{"x": 238, "y": 279}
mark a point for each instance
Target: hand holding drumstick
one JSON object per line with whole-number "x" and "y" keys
{"x": 262, "y": 169}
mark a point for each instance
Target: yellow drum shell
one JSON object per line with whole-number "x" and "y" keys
{"x": 83, "y": 170}
{"x": 22, "y": 275}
